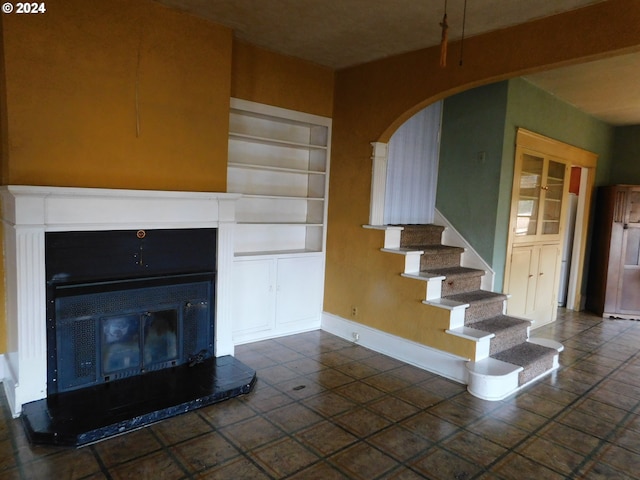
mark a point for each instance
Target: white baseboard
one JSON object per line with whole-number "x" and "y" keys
{"x": 430, "y": 359}
{"x": 9, "y": 386}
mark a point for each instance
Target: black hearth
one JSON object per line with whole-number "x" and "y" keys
{"x": 130, "y": 333}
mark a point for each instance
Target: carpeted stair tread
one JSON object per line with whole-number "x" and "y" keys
{"x": 420, "y": 235}
{"x": 477, "y": 296}
{"x": 535, "y": 359}
{"x": 508, "y": 331}
{"x": 501, "y": 323}
{"x": 450, "y": 272}
{"x": 437, "y": 249}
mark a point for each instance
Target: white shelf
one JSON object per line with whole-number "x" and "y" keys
{"x": 279, "y": 224}
{"x": 279, "y": 253}
{"x": 279, "y": 162}
{"x": 283, "y": 197}
{"x": 274, "y": 169}
{"x": 271, "y": 141}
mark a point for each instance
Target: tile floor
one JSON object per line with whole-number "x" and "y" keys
{"x": 324, "y": 408}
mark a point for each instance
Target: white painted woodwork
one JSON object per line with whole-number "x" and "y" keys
{"x": 30, "y": 211}
{"x": 279, "y": 163}
{"x": 256, "y": 312}
{"x": 379, "y": 158}
{"x": 276, "y": 296}
{"x": 535, "y": 274}
{"x": 428, "y": 358}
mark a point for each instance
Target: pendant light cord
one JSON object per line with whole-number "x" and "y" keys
{"x": 464, "y": 21}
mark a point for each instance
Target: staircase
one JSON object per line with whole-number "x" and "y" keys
{"x": 506, "y": 358}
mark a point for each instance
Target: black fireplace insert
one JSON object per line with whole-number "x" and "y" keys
{"x": 130, "y": 334}
{"x": 127, "y": 302}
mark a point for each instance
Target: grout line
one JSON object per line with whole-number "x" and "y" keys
{"x": 103, "y": 467}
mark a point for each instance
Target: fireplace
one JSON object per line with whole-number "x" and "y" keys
{"x": 120, "y": 339}
{"x": 128, "y": 302}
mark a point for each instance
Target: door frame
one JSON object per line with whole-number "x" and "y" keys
{"x": 576, "y": 157}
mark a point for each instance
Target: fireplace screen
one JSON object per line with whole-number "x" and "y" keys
{"x": 106, "y": 336}
{"x": 151, "y": 308}
{"x": 131, "y": 341}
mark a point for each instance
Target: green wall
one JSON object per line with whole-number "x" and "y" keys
{"x": 470, "y": 163}
{"x": 474, "y": 192}
{"x": 626, "y": 165}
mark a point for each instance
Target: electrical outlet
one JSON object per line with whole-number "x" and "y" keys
{"x": 354, "y": 311}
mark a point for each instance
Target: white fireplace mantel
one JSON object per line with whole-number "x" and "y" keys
{"x": 30, "y": 211}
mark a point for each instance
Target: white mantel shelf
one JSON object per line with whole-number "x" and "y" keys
{"x": 30, "y": 211}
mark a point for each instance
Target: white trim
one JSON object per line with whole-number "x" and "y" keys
{"x": 491, "y": 379}
{"x": 252, "y": 337}
{"x": 380, "y": 160}
{"x": 574, "y": 297}
{"x": 430, "y": 359}
{"x": 30, "y": 211}
{"x": 470, "y": 258}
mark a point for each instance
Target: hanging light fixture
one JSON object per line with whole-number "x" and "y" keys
{"x": 445, "y": 35}
{"x": 445, "y": 39}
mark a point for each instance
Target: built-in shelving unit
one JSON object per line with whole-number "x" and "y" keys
{"x": 279, "y": 162}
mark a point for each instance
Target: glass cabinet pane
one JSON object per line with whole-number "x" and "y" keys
{"x": 634, "y": 206}
{"x": 529, "y": 195}
{"x": 553, "y": 198}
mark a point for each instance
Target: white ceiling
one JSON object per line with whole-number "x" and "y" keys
{"x": 344, "y": 33}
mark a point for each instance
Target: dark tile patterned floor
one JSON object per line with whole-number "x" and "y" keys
{"x": 324, "y": 408}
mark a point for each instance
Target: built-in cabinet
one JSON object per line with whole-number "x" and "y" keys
{"x": 614, "y": 273}
{"x": 540, "y": 193}
{"x": 534, "y": 271}
{"x": 279, "y": 162}
{"x": 275, "y": 296}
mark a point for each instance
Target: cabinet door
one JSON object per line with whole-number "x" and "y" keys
{"x": 528, "y": 195}
{"x": 522, "y": 281}
{"x": 546, "y": 297}
{"x": 629, "y": 288}
{"x": 299, "y": 290}
{"x": 540, "y": 193}
{"x": 253, "y": 298}
{"x": 533, "y": 282}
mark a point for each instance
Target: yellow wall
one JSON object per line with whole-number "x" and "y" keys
{"x": 372, "y": 100}
{"x": 266, "y": 77}
{"x": 117, "y": 94}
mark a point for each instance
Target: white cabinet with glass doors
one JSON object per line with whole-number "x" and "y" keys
{"x": 540, "y": 192}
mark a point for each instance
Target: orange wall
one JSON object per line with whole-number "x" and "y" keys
{"x": 117, "y": 93}
{"x": 372, "y": 100}
{"x": 266, "y": 77}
